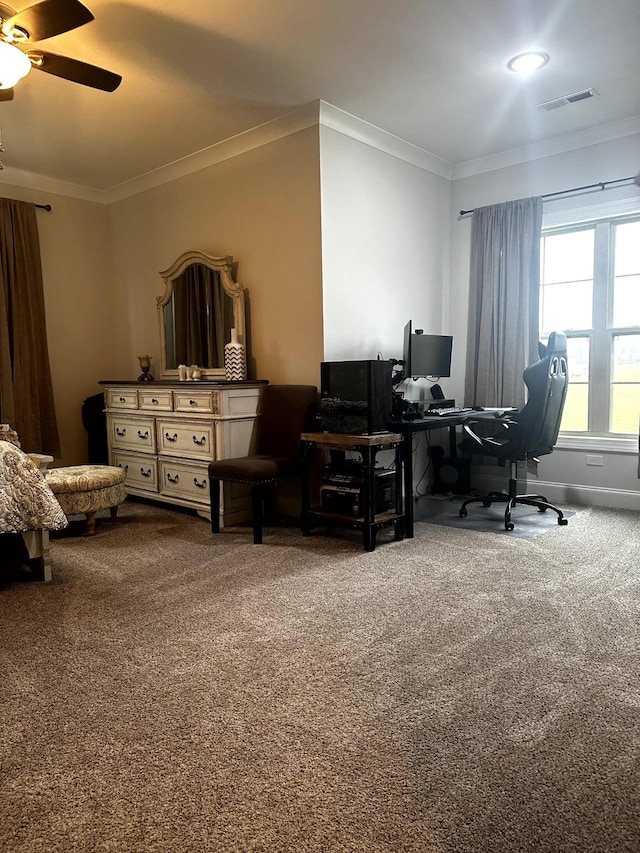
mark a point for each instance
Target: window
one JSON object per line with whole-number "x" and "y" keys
{"x": 590, "y": 288}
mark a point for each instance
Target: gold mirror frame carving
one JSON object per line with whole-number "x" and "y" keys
{"x": 233, "y": 288}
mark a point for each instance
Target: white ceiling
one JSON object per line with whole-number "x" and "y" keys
{"x": 432, "y": 72}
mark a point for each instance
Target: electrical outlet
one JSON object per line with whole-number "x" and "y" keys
{"x": 592, "y": 459}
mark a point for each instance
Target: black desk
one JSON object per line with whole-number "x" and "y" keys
{"x": 408, "y": 429}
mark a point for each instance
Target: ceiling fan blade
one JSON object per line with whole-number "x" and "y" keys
{"x": 74, "y": 70}
{"x": 6, "y": 94}
{"x": 49, "y": 18}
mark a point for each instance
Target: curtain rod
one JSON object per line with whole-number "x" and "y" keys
{"x": 40, "y": 206}
{"x": 600, "y": 186}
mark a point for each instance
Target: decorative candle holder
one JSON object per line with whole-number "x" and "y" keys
{"x": 145, "y": 366}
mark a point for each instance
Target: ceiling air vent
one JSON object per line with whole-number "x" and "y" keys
{"x": 568, "y": 99}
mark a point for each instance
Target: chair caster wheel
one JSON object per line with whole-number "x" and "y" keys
{"x": 509, "y": 525}
{"x": 486, "y": 503}
{"x": 463, "y": 513}
{"x": 563, "y": 521}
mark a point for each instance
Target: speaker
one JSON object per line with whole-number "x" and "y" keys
{"x": 449, "y": 475}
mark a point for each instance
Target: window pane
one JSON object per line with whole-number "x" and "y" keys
{"x": 578, "y": 358}
{"x": 566, "y": 306}
{"x": 567, "y": 257}
{"x": 625, "y": 408}
{"x": 625, "y": 392}
{"x": 626, "y": 358}
{"x": 626, "y": 300}
{"x": 575, "y": 415}
{"x": 627, "y": 243}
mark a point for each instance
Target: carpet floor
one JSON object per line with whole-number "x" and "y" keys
{"x": 171, "y": 691}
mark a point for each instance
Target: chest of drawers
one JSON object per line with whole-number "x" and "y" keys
{"x": 164, "y": 434}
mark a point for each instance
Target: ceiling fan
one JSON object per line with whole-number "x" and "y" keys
{"x": 18, "y": 30}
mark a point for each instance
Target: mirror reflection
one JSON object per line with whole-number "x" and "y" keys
{"x": 201, "y": 304}
{"x": 200, "y": 317}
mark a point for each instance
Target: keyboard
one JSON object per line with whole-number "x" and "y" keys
{"x": 449, "y": 410}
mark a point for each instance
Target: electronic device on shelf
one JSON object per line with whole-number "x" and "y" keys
{"x": 341, "y": 490}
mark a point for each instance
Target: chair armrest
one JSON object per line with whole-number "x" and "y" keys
{"x": 484, "y": 441}
{"x": 40, "y": 460}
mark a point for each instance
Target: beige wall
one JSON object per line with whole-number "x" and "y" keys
{"x": 101, "y": 263}
{"x": 82, "y": 316}
{"x": 262, "y": 207}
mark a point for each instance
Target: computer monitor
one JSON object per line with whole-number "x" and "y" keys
{"x": 426, "y": 355}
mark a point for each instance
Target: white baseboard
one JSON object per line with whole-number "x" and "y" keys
{"x": 566, "y": 492}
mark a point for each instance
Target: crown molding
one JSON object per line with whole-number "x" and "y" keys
{"x": 349, "y": 125}
{"x": 278, "y": 128}
{"x": 539, "y": 150}
{"x": 32, "y": 180}
{"x": 263, "y": 134}
{"x": 322, "y": 114}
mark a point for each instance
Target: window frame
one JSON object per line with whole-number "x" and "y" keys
{"x": 602, "y": 218}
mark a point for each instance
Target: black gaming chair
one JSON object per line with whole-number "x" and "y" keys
{"x": 529, "y": 433}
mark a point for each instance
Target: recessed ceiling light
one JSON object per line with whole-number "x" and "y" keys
{"x": 523, "y": 63}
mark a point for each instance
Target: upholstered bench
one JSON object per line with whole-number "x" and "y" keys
{"x": 84, "y": 489}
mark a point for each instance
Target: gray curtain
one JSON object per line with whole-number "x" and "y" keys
{"x": 504, "y": 284}
{"x": 26, "y": 392}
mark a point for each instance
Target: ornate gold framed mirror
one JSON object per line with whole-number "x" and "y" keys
{"x": 201, "y": 303}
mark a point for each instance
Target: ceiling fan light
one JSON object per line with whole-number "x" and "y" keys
{"x": 14, "y": 65}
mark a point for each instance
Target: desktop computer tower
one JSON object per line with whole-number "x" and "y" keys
{"x": 355, "y": 396}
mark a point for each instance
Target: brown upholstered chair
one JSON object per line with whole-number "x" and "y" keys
{"x": 285, "y": 412}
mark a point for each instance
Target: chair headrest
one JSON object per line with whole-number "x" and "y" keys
{"x": 556, "y": 345}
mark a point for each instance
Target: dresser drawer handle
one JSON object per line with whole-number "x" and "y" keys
{"x": 169, "y": 438}
{"x": 199, "y": 442}
{"x": 154, "y": 401}
{"x": 126, "y": 467}
{"x": 121, "y": 399}
{"x": 145, "y": 473}
{"x": 201, "y": 485}
{"x": 173, "y": 479}
{"x": 121, "y": 432}
{"x": 192, "y": 403}
{"x": 143, "y": 436}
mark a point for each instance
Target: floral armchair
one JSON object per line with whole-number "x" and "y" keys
{"x": 28, "y": 507}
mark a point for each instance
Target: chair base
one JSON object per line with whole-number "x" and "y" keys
{"x": 512, "y": 499}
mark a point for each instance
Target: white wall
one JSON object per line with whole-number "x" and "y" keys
{"x": 564, "y": 473}
{"x": 384, "y": 248}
